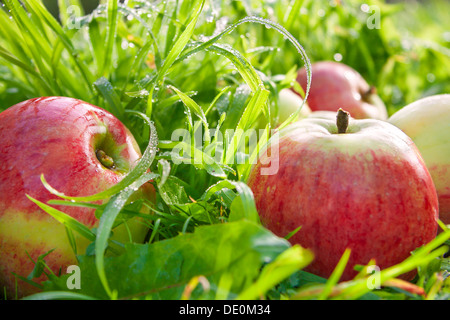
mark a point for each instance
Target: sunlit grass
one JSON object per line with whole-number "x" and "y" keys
{"x": 199, "y": 65}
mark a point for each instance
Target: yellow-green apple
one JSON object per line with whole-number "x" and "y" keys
{"x": 427, "y": 122}
{"x": 288, "y": 103}
{"x": 347, "y": 183}
{"x": 81, "y": 150}
{"x": 336, "y": 85}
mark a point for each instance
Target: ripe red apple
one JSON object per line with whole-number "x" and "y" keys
{"x": 427, "y": 122}
{"x": 364, "y": 187}
{"x": 81, "y": 149}
{"x": 336, "y": 85}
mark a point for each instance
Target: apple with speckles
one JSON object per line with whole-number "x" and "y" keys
{"x": 427, "y": 122}
{"x": 81, "y": 150}
{"x": 347, "y": 183}
{"x": 336, "y": 85}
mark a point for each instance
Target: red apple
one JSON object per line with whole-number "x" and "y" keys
{"x": 366, "y": 189}
{"x": 427, "y": 122}
{"x": 335, "y": 85}
{"x": 81, "y": 149}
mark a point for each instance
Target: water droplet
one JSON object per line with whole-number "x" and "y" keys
{"x": 337, "y": 57}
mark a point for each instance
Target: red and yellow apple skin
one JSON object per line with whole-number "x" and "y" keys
{"x": 367, "y": 190}
{"x": 427, "y": 122}
{"x": 58, "y": 137}
{"x": 335, "y": 85}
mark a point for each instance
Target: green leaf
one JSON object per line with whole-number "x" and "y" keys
{"x": 161, "y": 270}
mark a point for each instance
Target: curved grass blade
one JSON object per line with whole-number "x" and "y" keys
{"x": 58, "y": 295}
{"x": 246, "y": 197}
{"x": 65, "y": 219}
{"x": 112, "y": 209}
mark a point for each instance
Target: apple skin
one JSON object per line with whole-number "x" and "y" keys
{"x": 367, "y": 189}
{"x": 323, "y": 114}
{"x": 336, "y": 85}
{"x": 288, "y": 103}
{"x": 427, "y": 122}
{"x": 57, "y": 137}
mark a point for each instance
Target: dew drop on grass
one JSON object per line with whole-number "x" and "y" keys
{"x": 337, "y": 57}
{"x": 431, "y": 77}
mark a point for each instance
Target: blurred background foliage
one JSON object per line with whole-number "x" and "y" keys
{"x": 401, "y": 47}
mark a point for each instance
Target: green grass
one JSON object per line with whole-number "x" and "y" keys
{"x": 200, "y": 65}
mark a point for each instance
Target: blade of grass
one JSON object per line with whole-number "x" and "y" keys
{"x": 112, "y": 209}
{"x": 107, "y": 91}
{"x": 288, "y": 262}
{"x": 177, "y": 48}
{"x": 46, "y": 16}
{"x": 111, "y": 31}
{"x": 65, "y": 219}
{"x": 335, "y": 275}
{"x": 58, "y": 295}
{"x": 34, "y": 40}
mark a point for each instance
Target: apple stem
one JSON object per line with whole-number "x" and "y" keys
{"x": 104, "y": 159}
{"x": 366, "y": 95}
{"x": 342, "y": 121}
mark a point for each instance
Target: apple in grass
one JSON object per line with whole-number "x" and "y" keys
{"x": 347, "y": 183}
{"x": 288, "y": 103}
{"x": 336, "y": 85}
{"x": 427, "y": 122}
{"x": 81, "y": 150}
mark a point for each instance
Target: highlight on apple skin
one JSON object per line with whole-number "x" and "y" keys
{"x": 364, "y": 187}
{"x": 81, "y": 150}
{"x": 427, "y": 122}
{"x": 336, "y": 85}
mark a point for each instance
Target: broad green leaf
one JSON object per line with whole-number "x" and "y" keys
{"x": 161, "y": 270}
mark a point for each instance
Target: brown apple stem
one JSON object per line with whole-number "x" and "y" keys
{"x": 365, "y": 96}
{"x": 342, "y": 121}
{"x": 104, "y": 159}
